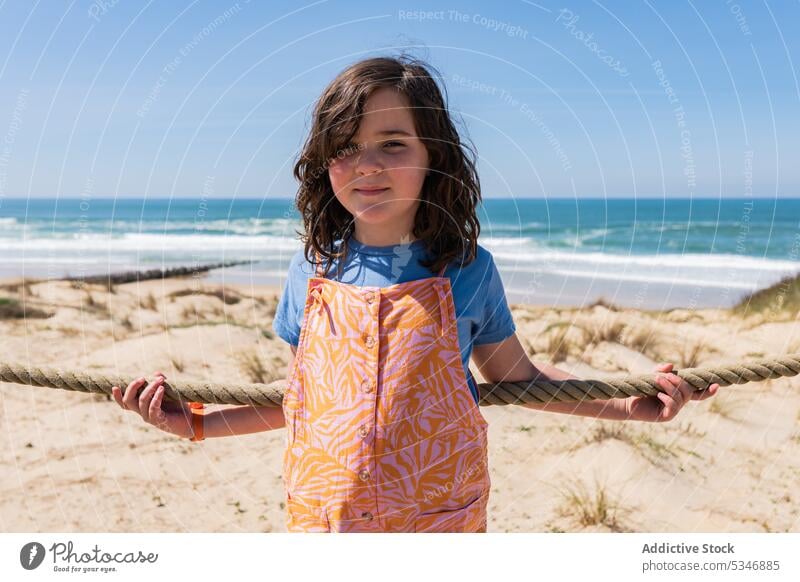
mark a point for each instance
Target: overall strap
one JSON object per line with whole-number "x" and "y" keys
{"x": 442, "y": 270}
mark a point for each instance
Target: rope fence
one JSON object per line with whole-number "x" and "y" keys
{"x": 501, "y": 393}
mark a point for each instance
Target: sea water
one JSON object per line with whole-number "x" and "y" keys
{"x": 648, "y": 253}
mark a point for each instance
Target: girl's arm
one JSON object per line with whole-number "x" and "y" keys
{"x": 242, "y": 420}
{"x": 506, "y": 361}
{"x": 245, "y": 419}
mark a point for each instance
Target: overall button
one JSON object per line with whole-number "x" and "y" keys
{"x": 366, "y": 385}
{"x": 370, "y": 341}
{"x": 363, "y": 474}
{"x": 367, "y": 515}
{"x": 369, "y": 296}
{"x": 363, "y": 431}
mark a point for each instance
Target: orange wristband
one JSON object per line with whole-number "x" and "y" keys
{"x": 198, "y": 411}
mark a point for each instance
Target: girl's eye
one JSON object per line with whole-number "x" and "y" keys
{"x": 394, "y": 144}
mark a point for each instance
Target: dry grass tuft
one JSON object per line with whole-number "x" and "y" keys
{"x": 177, "y": 364}
{"x": 95, "y": 306}
{"x": 558, "y": 346}
{"x": 593, "y": 507}
{"x": 617, "y": 431}
{"x": 68, "y": 331}
{"x": 650, "y": 448}
{"x": 252, "y": 367}
{"x": 149, "y": 302}
{"x": 12, "y": 309}
{"x": 562, "y": 343}
{"x": 607, "y": 331}
{"x": 722, "y": 405}
{"x": 190, "y": 312}
{"x": 603, "y": 302}
{"x": 691, "y": 353}
{"x": 642, "y": 339}
{"x": 227, "y": 296}
{"x": 775, "y": 302}
{"x": 126, "y": 322}
{"x": 217, "y": 311}
{"x": 23, "y": 287}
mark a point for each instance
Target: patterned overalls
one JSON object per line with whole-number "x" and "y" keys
{"x": 383, "y": 434}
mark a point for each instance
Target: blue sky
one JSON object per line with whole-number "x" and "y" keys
{"x": 561, "y": 99}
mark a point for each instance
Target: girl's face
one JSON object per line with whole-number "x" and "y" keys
{"x": 380, "y": 182}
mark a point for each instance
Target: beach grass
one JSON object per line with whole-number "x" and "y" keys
{"x": 643, "y": 340}
{"x": 562, "y": 342}
{"x": 227, "y": 296}
{"x": 777, "y": 300}
{"x": 149, "y": 302}
{"x": 11, "y": 308}
{"x": 591, "y": 506}
{"x": 607, "y": 331}
{"x": 252, "y": 367}
{"x": 691, "y": 353}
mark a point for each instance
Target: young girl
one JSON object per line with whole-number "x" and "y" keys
{"x": 384, "y": 433}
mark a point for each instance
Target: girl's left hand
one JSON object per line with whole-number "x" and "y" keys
{"x": 665, "y": 405}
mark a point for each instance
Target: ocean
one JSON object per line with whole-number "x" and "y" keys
{"x": 644, "y": 253}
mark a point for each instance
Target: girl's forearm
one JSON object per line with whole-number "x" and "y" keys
{"x": 242, "y": 420}
{"x": 613, "y": 409}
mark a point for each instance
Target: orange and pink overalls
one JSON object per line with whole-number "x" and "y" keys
{"x": 383, "y": 433}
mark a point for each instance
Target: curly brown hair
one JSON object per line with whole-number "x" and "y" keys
{"x": 446, "y": 218}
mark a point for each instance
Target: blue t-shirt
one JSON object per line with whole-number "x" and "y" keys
{"x": 480, "y": 301}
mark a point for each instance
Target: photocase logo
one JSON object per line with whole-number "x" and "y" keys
{"x": 67, "y": 559}
{"x": 31, "y": 555}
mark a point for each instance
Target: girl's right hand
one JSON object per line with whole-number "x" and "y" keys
{"x": 169, "y": 416}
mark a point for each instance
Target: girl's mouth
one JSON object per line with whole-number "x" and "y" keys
{"x": 371, "y": 192}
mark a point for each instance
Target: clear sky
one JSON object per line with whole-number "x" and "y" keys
{"x": 175, "y": 99}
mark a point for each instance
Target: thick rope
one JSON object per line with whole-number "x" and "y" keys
{"x": 501, "y": 393}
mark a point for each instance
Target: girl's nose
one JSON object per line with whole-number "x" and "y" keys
{"x": 367, "y": 162}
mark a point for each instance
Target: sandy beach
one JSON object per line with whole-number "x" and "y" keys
{"x": 78, "y": 463}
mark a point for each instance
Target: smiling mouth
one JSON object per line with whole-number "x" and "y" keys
{"x": 371, "y": 192}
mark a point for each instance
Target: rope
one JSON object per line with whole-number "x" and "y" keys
{"x": 501, "y": 393}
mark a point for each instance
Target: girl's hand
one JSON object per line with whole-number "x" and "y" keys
{"x": 169, "y": 416}
{"x": 665, "y": 405}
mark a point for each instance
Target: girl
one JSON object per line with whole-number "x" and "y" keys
{"x": 384, "y": 432}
